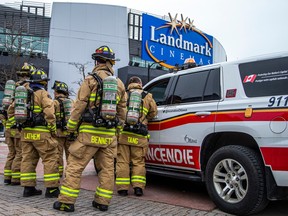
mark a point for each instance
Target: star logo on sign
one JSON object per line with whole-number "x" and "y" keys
{"x": 173, "y": 23}
{"x": 183, "y": 23}
{"x": 190, "y": 25}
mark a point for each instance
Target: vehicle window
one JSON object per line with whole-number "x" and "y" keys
{"x": 201, "y": 86}
{"x": 265, "y": 78}
{"x": 158, "y": 91}
{"x": 212, "y": 90}
{"x": 190, "y": 87}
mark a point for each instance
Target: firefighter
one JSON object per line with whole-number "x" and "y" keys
{"x": 96, "y": 122}
{"x": 62, "y": 105}
{"x": 134, "y": 139}
{"x": 38, "y": 140}
{"x": 12, "y": 132}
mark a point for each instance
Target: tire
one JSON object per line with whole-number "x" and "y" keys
{"x": 235, "y": 180}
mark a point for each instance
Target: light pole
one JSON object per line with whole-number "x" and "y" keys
{"x": 150, "y": 65}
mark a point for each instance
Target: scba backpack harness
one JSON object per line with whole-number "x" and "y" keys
{"x": 103, "y": 115}
{"x": 65, "y": 112}
{"x": 26, "y": 113}
{"x": 134, "y": 114}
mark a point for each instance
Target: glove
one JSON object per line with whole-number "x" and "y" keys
{"x": 72, "y": 136}
{"x": 54, "y": 134}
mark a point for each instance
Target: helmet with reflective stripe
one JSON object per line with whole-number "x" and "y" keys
{"x": 39, "y": 76}
{"x": 26, "y": 70}
{"x": 104, "y": 53}
{"x": 60, "y": 87}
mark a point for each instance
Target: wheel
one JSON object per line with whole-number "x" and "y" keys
{"x": 235, "y": 180}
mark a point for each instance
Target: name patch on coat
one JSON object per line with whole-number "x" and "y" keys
{"x": 32, "y": 136}
{"x": 133, "y": 140}
{"x": 101, "y": 140}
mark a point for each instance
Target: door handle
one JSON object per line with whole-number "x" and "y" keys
{"x": 202, "y": 114}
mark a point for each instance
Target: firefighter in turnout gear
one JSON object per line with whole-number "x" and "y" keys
{"x": 99, "y": 109}
{"x": 61, "y": 99}
{"x": 13, "y": 164}
{"x": 134, "y": 139}
{"x": 37, "y": 137}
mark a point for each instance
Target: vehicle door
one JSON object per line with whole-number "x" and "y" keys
{"x": 159, "y": 90}
{"x": 188, "y": 118}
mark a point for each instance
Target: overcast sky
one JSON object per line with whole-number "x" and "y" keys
{"x": 243, "y": 27}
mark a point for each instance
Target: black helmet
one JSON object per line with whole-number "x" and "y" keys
{"x": 104, "y": 53}
{"x": 26, "y": 70}
{"x": 60, "y": 87}
{"x": 39, "y": 76}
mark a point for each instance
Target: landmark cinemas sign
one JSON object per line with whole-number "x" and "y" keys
{"x": 174, "y": 41}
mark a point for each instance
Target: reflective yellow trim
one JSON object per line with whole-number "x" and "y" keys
{"x": 7, "y": 172}
{"x": 122, "y": 181}
{"x": 27, "y": 176}
{"x": 134, "y": 134}
{"x": 38, "y": 128}
{"x": 144, "y": 110}
{"x": 16, "y": 175}
{"x": 104, "y": 193}
{"x": 51, "y": 177}
{"x": 72, "y": 124}
{"x": 69, "y": 192}
{"x": 141, "y": 179}
{"x": 97, "y": 130}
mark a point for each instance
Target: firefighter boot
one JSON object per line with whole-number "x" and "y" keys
{"x": 63, "y": 206}
{"x": 31, "y": 191}
{"x": 101, "y": 207}
{"x": 15, "y": 183}
{"x": 52, "y": 192}
{"x": 7, "y": 181}
{"x": 138, "y": 191}
{"x": 123, "y": 192}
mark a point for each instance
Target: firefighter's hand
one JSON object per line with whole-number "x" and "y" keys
{"x": 69, "y": 130}
{"x": 72, "y": 136}
{"x": 54, "y": 134}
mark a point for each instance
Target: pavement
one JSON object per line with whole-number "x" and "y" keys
{"x": 156, "y": 200}
{"x": 162, "y": 196}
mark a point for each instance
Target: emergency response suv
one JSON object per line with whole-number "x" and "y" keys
{"x": 225, "y": 124}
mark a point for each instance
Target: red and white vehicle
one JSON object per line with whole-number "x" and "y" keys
{"x": 225, "y": 124}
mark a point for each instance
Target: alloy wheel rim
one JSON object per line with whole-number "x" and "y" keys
{"x": 230, "y": 181}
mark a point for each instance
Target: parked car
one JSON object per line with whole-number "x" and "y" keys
{"x": 225, "y": 124}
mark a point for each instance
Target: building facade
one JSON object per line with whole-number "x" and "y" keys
{"x": 65, "y": 42}
{"x": 24, "y": 37}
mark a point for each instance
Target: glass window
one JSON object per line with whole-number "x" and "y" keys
{"x": 265, "y": 78}
{"x": 158, "y": 91}
{"x": 136, "y": 33}
{"x": 212, "y": 90}
{"x": 190, "y": 87}
{"x": 136, "y": 20}
{"x": 199, "y": 86}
